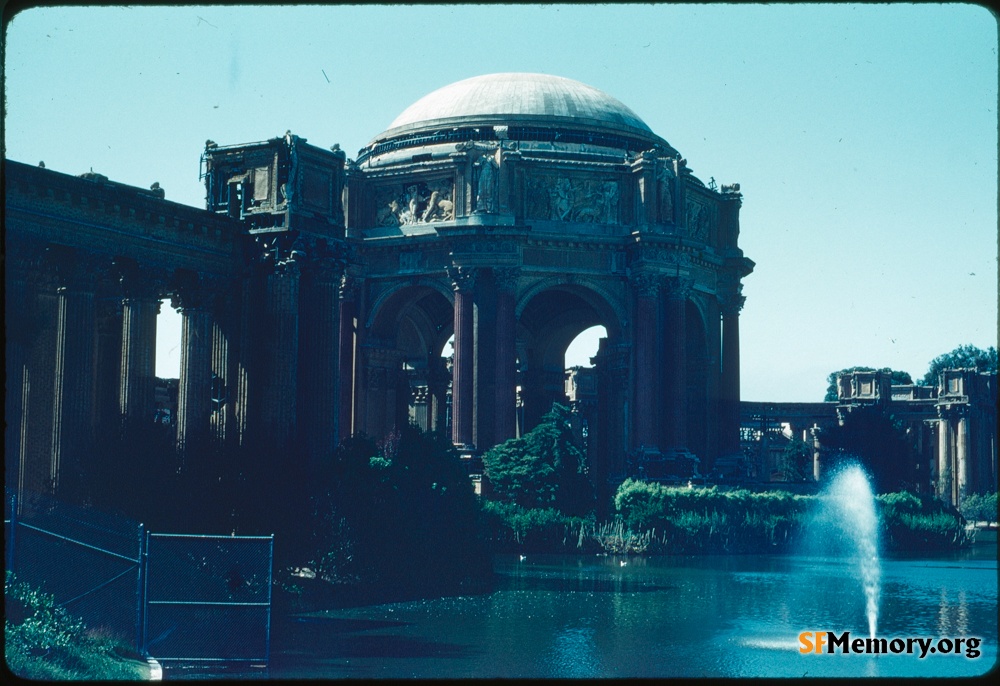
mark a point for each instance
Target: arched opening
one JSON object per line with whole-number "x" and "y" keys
{"x": 559, "y": 328}
{"x": 403, "y": 363}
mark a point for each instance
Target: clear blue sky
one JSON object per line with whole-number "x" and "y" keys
{"x": 864, "y": 137}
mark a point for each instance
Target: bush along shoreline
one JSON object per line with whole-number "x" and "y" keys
{"x": 43, "y": 642}
{"x": 654, "y": 519}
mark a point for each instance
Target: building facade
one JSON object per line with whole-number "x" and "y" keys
{"x": 951, "y": 428}
{"x": 504, "y": 214}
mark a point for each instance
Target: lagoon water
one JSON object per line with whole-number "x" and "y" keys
{"x": 728, "y": 616}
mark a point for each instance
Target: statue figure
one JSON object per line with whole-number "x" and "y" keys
{"x": 562, "y": 199}
{"x": 609, "y": 195}
{"x": 438, "y": 208}
{"x": 486, "y": 184}
{"x": 413, "y": 194}
{"x": 666, "y": 198}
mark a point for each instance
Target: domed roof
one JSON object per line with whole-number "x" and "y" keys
{"x": 518, "y": 99}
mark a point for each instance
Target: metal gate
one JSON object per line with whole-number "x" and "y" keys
{"x": 208, "y": 599}
{"x": 88, "y": 560}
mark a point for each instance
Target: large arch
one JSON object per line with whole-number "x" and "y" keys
{"x": 403, "y": 376}
{"x": 550, "y": 316}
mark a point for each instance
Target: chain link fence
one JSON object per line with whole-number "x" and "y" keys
{"x": 183, "y": 599}
{"x": 208, "y": 598}
{"x": 90, "y": 562}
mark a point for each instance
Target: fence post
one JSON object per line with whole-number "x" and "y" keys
{"x": 270, "y": 589}
{"x": 140, "y": 595}
{"x": 13, "y": 531}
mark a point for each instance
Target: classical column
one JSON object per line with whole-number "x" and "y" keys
{"x": 962, "y": 457}
{"x": 729, "y": 392}
{"x": 675, "y": 363}
{"x": 609, "y": 436}
{"x": 19, "y": 341}
{"x": 194, "y": 391}
{"x": 944, "y": 457}
{"x": 463, "y": 381}
{"x": 72, "y": 405}
{"x": 506, "y": 355}
{"x": 222, "y": 407}
{"x": 318, "y": 369}
{"x": 140, "y": 306}
{"x": 281, "y": 308}
{"x": 817, "y": 450}
{"x": 646, "y": 287}
{"x": 346, "y": 357}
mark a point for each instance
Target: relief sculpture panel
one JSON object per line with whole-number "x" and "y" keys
{"x": 418, "y": 202}
{"x": 558, "y": 197}
{"x": 699, "y": 219}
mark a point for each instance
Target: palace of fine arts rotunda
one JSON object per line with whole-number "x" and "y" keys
{"x": 437, "y": 278}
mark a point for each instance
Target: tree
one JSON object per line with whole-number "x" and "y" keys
{"x": 544, "y": 468}
{"x": 898, "y": 378}
{"x": 962, "y": 357}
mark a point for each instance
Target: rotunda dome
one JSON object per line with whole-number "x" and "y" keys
{"x": 527, "y": 103}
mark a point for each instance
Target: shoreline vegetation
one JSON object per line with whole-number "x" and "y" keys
{"x": 653, "y": 519}
{"x": 44, "y": 642}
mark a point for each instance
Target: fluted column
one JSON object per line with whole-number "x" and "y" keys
{"x": 138, "y": 361}
{"x": 346, "y": 358}
{"x": 675, "y": 363}
{"x": 194, "y": 392}
{"x": 506, "y": 355}
{"x": 962, "y": 457}
{"x": 72, "y": 405}
{"x": 281, "y": 305}
{"x": 729, "y": 395}
{"x": 18, "y": 330}
{"x": 609, "y": 436}
{"x": 318, "y": 371}
{"x": 463, "y": 383}
{"x": 944, "y": 458}
{"x": 646, "y": 287}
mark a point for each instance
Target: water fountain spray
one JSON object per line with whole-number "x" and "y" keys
{"x": 852, "y": 501}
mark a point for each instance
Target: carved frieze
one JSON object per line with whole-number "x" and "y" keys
{"x": 417, "y": 202}
{"x": 558, "y": 197}
{"x": 699, "y": 219}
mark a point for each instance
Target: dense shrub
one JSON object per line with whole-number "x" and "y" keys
{"x": 919, "y": 522}
{"x": 980, "y": 508}
{"x": 545, "y": 468}
{"x": 398, "y": 514}
{"x": 44, "y": 642}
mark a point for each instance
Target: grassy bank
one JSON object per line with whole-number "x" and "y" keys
{"x": 666, "y": 520}
{"x": 43, "y": 642}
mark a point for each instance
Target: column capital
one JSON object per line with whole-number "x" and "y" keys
{"x": 645, "y": 285}
{"x": 349, "y": 287}
{"x": 731, "y": 302}
{"x": 506, "y": 278}
{"x": 463, "y": 279}
{"x": 677, "y": 288}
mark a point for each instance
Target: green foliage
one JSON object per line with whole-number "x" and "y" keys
{"x": 879, "y": 442}
{"x": 919, "y": 522}
{"x": 399, "y": 514}
{"x": 964, "y": 356}
{"x": 898, "y": 378}
{"x": 698, "y": 520}
{"x": 795, "y": 461}
{"x": 545, "y": 468}
{"x": 511, "y": 527}
{"x": 980, "y": 508}
{"x": 44, "y": 642}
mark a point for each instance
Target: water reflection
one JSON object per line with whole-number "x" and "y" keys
{"x": 660, "y": 617}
